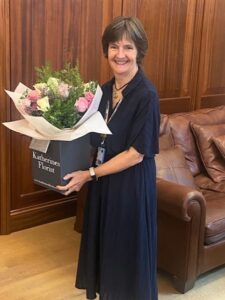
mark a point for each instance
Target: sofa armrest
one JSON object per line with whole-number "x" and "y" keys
{"x": 178, "y": 200}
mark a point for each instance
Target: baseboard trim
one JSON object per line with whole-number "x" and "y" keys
{"x": 40, "y": 214}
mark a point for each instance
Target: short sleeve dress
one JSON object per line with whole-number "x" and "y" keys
{"x": 118, "y": 247}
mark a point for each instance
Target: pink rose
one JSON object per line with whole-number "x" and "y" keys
{"x": 89, "y": 96}
{"x": 25, "y": 105}
{"x": 81, "y": 104}
{"x": 26, "y": 102}
{"x": 33, "y": 95}
{"x": 29, "y": 106}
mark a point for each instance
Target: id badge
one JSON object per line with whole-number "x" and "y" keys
{"x": 100, "y": 156}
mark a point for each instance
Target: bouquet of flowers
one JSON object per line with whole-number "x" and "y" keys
{"x": 62, "y": 98}
{"x": 59, "y": 107}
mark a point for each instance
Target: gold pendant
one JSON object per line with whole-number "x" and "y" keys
{"x": 115, "y": 95}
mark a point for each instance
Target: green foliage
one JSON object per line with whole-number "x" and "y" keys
{"x": 43, "y": 73}
{"x": 69, "y": 74}
{"x": 62, "y": 114}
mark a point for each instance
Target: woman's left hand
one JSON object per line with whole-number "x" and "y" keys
{"x": 77, "y": 180}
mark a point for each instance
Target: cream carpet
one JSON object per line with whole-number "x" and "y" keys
{"x": 39, "y": 264}
{"x": 210, "y": 286}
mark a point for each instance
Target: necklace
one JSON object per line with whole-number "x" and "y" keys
{"x": 116, "y": 96}
{"x": 117, "y": 92}
{"x": 118, "y": 89}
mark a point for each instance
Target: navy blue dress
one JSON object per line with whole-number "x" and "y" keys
{"x": 118, "y": 246}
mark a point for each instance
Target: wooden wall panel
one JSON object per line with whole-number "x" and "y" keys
{"x": 95, "y": 16}
{"x": 185, "y": 61}
{"x": 174, "y": 29}
{"x": 4, "y": 116}
{"x": 41, "y": 31}
{"x": 211, "y": 83}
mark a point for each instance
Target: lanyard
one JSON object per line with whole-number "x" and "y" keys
{"x": 108, "y": 119}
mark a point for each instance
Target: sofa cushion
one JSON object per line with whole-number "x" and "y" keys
{"x": 211, "y": 157}
{"x": 171, "y": 165}
{"x": 182, "y": 134}
{"x": 206, "y": 183}
{"x": 165, "y": 142}
{"x": 215, "y": 217}
{"x": 164, "y": 124}
{"x": 220, "y": 144}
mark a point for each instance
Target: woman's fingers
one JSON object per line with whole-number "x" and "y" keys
{"x": 62, "y": 187}
{"x": 69, "y": 176}
{"x": 67, "y": 186}
{"x": 70, "y": 187}
{"x": 77, "y": 179}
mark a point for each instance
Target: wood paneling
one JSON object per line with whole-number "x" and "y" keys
{"x": 4, "y": 116}
{"x": 36, "y": 32}
{"x": 211, "y": 82}
{"x": 174, "y": 29}
{"x": 185, "y": 61}
{"x": 41, "y": 31}
{"x": 95, "y": 16}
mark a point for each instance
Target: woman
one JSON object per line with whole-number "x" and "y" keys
{"x": 118, "y": 248}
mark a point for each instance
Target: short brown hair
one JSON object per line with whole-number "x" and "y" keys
{"x": 132, "y": 28}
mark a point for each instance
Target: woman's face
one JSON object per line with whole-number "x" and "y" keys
{"x": 122, "y": 57}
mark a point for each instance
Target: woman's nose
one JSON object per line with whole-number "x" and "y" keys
{"x": 120, "y": 52}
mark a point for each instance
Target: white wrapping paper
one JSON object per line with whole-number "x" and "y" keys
{"x": 39, "y": 128}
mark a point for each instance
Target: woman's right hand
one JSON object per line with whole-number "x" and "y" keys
{"x": 77, "y": 180}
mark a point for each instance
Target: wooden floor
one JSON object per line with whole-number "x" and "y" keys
{"x": 40, "y": 264}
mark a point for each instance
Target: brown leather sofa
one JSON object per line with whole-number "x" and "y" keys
{"x": 191, "y": 194}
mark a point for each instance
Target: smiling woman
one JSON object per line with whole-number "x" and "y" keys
{"x": 124, "y": 44}
{"x": 122, "y": 58}
{"x": 118, "y": 248}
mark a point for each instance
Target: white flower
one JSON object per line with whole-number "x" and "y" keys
{"x": 40, "y": 86}
{"x": 43, "y": 104}
{"x": 53, "y": 84}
